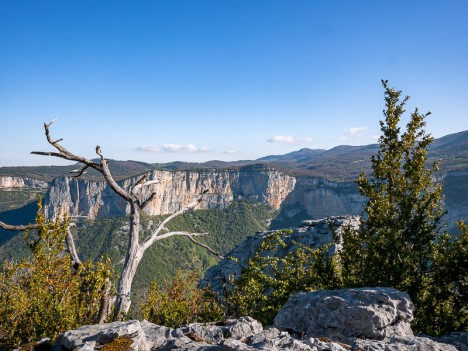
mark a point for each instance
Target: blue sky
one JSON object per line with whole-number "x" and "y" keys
{"x": 159, "y": 81}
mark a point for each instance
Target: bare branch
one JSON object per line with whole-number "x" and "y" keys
{"x": 178, "y": 233}
{"x": 80, "y": 171}
{"x": 18, "y": 227}
{"x": 102, "y": 168}
{"x": 78, "y": 216}
{"x": 63, "y": 152}
{"x": 55, "y": 154}
{"x": 142, "y": 182}
{"x": 154, "y": 181}
{"x": 205, "y": 246}
{"x": 70, "y": 244}
{"x": 99, "y": 152}
{"x": 190, "y": 236}
{"x": 139, "y": 182}
{"x": 153, "y": 237}
{"x": 49, "y": 124}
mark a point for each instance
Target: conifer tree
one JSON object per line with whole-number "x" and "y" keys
{"x": 403, "y": 211}
{"x": 400, "y": 242}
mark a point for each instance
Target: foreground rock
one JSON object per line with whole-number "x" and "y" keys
{"x": 237, "y": 334}
{"x": 371, "y": 319}
{"x": 243, "y": 334}
{"x": 311, "y": 233}
{"x": 365, "y": 319}
{"x": 370, "y": 313}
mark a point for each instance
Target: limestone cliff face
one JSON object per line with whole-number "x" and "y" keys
{"x": 7, "y": 182}
{"x": 321, "y": 198}
{"x": 173, "y": 190}
{"x": 309, "y": 197}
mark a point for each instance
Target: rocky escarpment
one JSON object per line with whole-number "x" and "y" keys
{"x": 318, "y": 198}
{"x": 7, "y": 182}
{"x": 311, "y": 233}
{"x": 376, "y": 319}
{"x": 173, "y": 190}
{"x": 296, "y": 198}
{"x": 313, "y": 197}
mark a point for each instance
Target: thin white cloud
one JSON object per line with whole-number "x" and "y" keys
{"x": 189, "y": 148}
{"x": 353, "y": 132}
{"x": 149, "y": 148}
{"x": 174, "y": 148}
{"x": 288, "y": 139}
{"x": 230, "y": 152}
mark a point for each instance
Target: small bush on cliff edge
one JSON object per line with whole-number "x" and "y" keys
{"x": 45, "y": 295}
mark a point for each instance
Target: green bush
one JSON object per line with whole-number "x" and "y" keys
{"x": 45, "y": 296}
{"x": 268, "y": 281}
{"x": 180, "y": 302}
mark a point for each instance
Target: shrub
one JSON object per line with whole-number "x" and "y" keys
{"x": 180, "y": 302}
{"x": 268, "y": 280}
{"x": 45, "y": 295}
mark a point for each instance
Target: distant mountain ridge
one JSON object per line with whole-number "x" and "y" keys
{"x": 341, "y": 163}
{"x": 324, "y": 182}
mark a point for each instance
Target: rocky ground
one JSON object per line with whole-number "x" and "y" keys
{"x": 365, "y": 319}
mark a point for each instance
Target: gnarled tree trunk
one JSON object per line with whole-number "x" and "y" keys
{"x": 132, "y": 195}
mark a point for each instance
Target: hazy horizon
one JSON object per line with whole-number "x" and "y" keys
{"x": 158, "y": 81}
{"x": 65, "y": 162}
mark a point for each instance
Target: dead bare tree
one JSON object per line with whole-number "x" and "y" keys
{"x": 132, "y": 195}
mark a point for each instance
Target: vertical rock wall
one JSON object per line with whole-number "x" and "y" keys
{"x": 173, "y": 190}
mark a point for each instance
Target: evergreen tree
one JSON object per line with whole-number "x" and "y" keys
{"x": 403, "y": 211}
{"x": 400, "y": 243}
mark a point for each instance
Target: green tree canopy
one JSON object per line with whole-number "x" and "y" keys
{"x": 400, "y": 243}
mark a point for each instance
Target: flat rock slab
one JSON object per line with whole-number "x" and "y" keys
{"x": 371, "y": 313}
